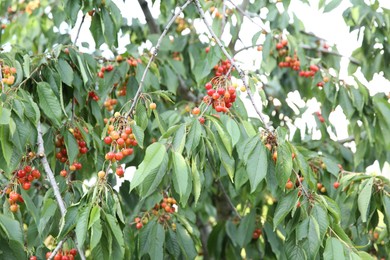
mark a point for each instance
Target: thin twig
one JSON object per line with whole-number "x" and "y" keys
{"x": 1, "y": 79}
{"x": 223, "y": 17}
{"x": 228, "y": 198}
{"x": 155, "y": 52}
{"x": 239, "y": 70}
{"x": 248, "y": 15}
{"x": 346, "y": 140}
{"x": 247, "y": 48}
{"x": 53, "y": 183}
{"x": 58, "y": 247}
{"x": 301, "y": 185}
{"x": 325, "y": 51}
{"x": 153, "y": 27}
{"x": 78, "y": 32}
{"x": 49, "y": 172}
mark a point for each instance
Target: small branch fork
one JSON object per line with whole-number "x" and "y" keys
{"x": 155, "y": 52}
{"x": 234, "y": 64}
{"x": 78, "y": 32}
{"x": 56, "y": 190}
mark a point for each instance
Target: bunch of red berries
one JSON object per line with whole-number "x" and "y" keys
{"x": 110, "y": 103}
{"x": 162, "y": 210}
{"x": 120, "y": 137}
{"x": 223, "y": 68}
{"x": 63, "y": 255}
{"x": 62, "y": 153}
{"x": 291, "y": 62}
{"x": 220, "y": 94}
{"x": 93, "y": 95}
{"x": 8, "y": 75}
{"x": 133, "y": 62}
{"x": 256, "y": 234}
{"x": 107, "y": 68}
{"x": 309, "y": 73}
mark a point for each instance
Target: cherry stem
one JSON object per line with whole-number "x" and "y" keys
{"x": 154, "y": 54}
{"x": 301, "y": 185}
{"x": 229, "y": 57}
{"x": 1, "y": 79}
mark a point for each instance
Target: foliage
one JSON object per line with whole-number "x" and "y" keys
{"x": 210, "y": 180}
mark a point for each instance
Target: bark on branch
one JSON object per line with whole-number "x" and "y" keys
{"x": 153, "y": 27}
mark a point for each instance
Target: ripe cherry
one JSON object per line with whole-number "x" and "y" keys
{"x": 139, "y": 225}
{"x": 118, "y": 156}
{"x": 289, "y": 185}
{"x": 73, "y": 251}
{"x": 14, "y": 208}
{"x": 72, "y": 167}
{"x": 207, "y": 49}
{"x": 152, "y": 106}
{"x": 33, "y": 257}
{"x": 107, "y": 140}
{"x": 336, "y": 185}
{"x": 202, "y": 120}
{"x": 101, "y": 174}
{"x": 319, "y": 185}
{"x": 27, "y": 168}
{"x": 208, "y": 86}
{"x": 195, "y": 111}
{"x": 63, "y": 173}
{"x": 26, "y": 185}
{"x": 279, "y": 46}
{"x": 101, "y": 74}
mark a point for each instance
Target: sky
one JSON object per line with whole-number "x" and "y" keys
{"x": 330, "y": 26}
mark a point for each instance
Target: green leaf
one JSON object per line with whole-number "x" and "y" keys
{"x": 5, "y": 115}
{"x": 179, "y": 139}
{"x": 12, "y": 229}
{"x": 333, "y": 249}
{"x": 386, "y": 206}
{"x": 257, "y": 165}
{"x": 245, "y": 229}
{"x": 185, "y": 242}
{"x": 94, "y": 216}
{"x": 222, "y": 133}
{"x": 180, "y": 174}
{"x": 313, "y": 238}
{"x": 82, "y": 225}
{"x": 364, "y": 199}
{"x": 193, "y": 136}
{"x": 233, "y": 130}
{"x": 283, "y": 164}
{"x": 285, "y": 205}
{"x": 332, "y": 5}
{"x": 96, "y": 234}
{"x": 6, "y": 145}
{"x": 141, "y": 116}
{"x": 197, "y": 186}
{"x": 66, "y": 72}
{"x": 320, "y": 214}
{"x": 345, "y": 102}
{"x": 49, "y": 103}
{"x": 72, "y": 146}
{"x": 69, "y": 221}
{"x": 117, "y": 233}
{"x": 154, "y": 157}
{"x": 153, "y": 180}
{"x": 152, "y": 240}
{"x": 139, "y": 135}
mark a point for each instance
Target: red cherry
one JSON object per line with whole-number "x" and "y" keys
{"x": 221, "y": 91}
{"x": 27, "y": 168}
{"x": 101, "y": 74}
{"x": 215, "y": 95}
{"x": 119, "y": 171}
{"x": 118, "y": 156}
{"x": 33, "y": 258}
{"x": 83, "y": 150}
{"x": 207, "y": 49}
{"x": 139, "y": 225}
{"x": 202, "y": 120}
{"x": 336, "y": 185}
{"x": 26, "y": 185}
{"x": 208, "y": 86}
{"x": 108, "y": 140}
{"x": 73, "y": 251}
{"x": 210, "y": 92}
{"x": 109, "y": 67}
{"x": 279, "y": 46}
{"x": 313, "y": 68}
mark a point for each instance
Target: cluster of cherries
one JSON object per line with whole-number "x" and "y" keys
{"x": 223, "y": 68}
{"x": 220, "y": 95}
{"x": 93, "y": 95}
{"x": 133, "y": 62}
{"x": 162, "y": 211}
{"x": 121, "y": 139}
{"x": 8, "y": 75}
{"x": 110, "y": 103}
{"x": 320, "y": 117}
{"x": 62, "y": 153}
{"x": 62, "y": 255}
{"x": 107, "y": 68}
{"x": 256, "y": 234}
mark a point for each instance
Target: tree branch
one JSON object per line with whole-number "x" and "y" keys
{"x": 325, "y": 51}
{"x": 155, "y": 52}
{"x": 234, "y": 64}
{"x": 185, "y": 92}
{"x": 53, "y": 183}
{"x": 153, "y": 27}
{"x": 1, "y": 79}
{"x": 78, "y": 32}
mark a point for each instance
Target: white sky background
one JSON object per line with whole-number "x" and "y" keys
{"x": 330, "y": 26}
